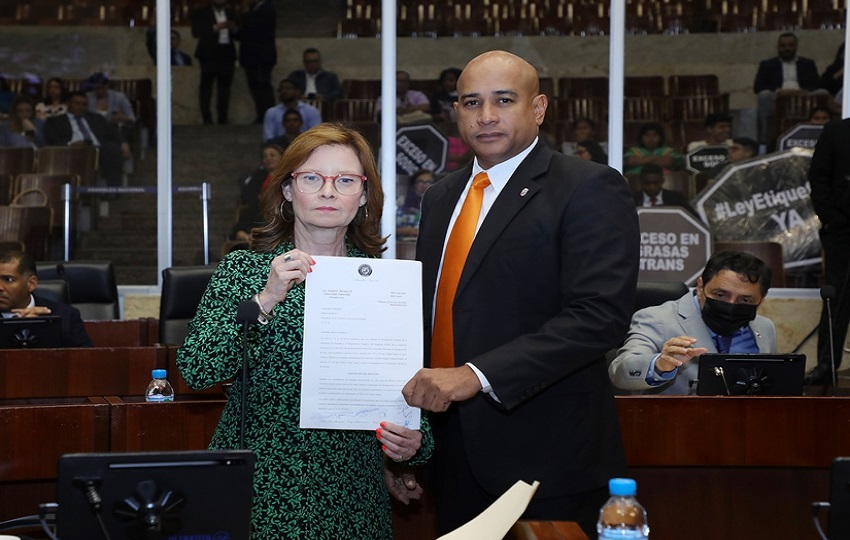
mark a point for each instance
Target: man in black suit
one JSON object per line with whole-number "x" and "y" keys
{"x": 313, "y": 80}
{"x": 651, "y": 193}
{"x": 785, "y": 73}
{"x": 79, "y": 126}
{"x": 829, "y": 176}
{"x": 178, "y": 57}
{"x": 258, "y": 53}
{"x": 546, "y": 289}
{"x": 18, "y": 283}
{"x": 214, "y": 26}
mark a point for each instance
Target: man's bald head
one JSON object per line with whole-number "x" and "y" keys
{"x": 499, "y": 108}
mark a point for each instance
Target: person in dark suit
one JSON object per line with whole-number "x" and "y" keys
{"x": 518, "y": 378}
{"x": 785, "y": 73}
{"x": 651, "y": 193}
{"x": 18, "y": 298}
{"x": 214, "y": 26}
{"x": 178, "y": 57}
{"x": 828, "y": 176}
{"x": 313, "y": 80}
{"x": 258, "y": 53}
{"x": 80, "y": 126}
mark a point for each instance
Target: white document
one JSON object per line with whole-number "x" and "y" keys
{"x": 362, "y": 342}
{"x": 495, "y": 522}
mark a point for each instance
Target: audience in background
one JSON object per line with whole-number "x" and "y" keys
{"x": 786, "y": 73}
{"x": 258, "y": 53}
{"x": 111, "y": 104}
{"x": 583, "y": 129}
{"x": 742, "y": 148}
{"x": 214, "y": 26}
{"x": 832, "y": 78}
{"x": 591, "y": 150}
{"x": 651, "y": 149}
{"x": 652, "y": 194}
{"x": 411, "y": 105}
{"x": 22, "y": 128}
{"x": 820, "y": 115}
{"x": 407, "y": 217}
{"x": 55, "y": 99}
{"x": 442, "y": 102}
{"x": 315, "y": 82}
{"x": 7, "y": 96}
{"x": 81, "y": 126}
{"x": 248, "y": 215}
{"x": 718, "y": 130}
{"x": 178, "y": 57}
{"x": 292, "y": 124}
{"x": 290, "y": 98}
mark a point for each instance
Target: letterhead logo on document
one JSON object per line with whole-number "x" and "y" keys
{"x": 365, "y": 270}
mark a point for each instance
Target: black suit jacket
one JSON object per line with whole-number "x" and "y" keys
{"x": 829, "y": 176}
{"x": 257, "y": 35}
{"x": 208, "y": 48}
{"x": 73, "y": 330}
{"x": 327, "y": 83}
{"x": 57, "y": 130}
{"x": 548, "y": 287}
{"x": 769, "y": 74}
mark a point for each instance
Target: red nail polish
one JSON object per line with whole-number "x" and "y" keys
{"x": 378, "y": 433}
{"x": 383, "y": 424}
{"x": 383, "y": 447}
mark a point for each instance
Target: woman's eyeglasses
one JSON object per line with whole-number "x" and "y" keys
{"x": 344, "y": 184}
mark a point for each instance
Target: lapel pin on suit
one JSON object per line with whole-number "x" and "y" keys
{"x": 523, "y": 192}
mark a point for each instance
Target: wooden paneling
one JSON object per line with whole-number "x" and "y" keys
{"x": 123, "y": 333}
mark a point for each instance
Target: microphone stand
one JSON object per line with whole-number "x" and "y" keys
{"x": 827, "y": 297}
{"x": 246, "y": 314}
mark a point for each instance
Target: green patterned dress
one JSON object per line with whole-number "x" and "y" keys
{"x": 308, "y": 483}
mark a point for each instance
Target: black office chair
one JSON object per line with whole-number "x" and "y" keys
{"x": 91, "y": 285}
{"x": 655, "y": 293}
{"x": 182, "y": 289}
{"x": 54, "y": 289}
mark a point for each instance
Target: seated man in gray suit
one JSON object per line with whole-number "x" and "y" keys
{"x": 720, "y": 316}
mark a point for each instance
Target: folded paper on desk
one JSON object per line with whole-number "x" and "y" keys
{"x": 495, "y": 522}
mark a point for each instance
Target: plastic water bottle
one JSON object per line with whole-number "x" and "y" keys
{"x": 159, "y": 389}
{"x": 622, "y": 516}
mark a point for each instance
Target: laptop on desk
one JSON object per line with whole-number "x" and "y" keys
{"x": 31, "y": 332}
{"x": 760, "y": 374}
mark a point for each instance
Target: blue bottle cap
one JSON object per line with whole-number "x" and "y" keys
{"x": 158, "y": 373}
{"x": 622, "y": 487}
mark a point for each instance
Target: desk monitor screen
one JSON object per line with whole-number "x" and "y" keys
{"x": 155, "y": 495}
{"x": 31, "y": 332}
{"x": 730, "y": 374}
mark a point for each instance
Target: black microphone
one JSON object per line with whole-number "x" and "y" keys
{"x": 246, "y": 315}
{"x": 827, "y": 292}
{"x": 60, "y": 270}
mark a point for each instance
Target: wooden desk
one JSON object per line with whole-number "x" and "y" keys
{"x": 733, "y": 467}
{"x": 48, "y": 373}
{"x": 33, "y": 434}
{"x": 186, "y": 424}
{"x": 546, "y": 530}
{"x": 129, "y": 333}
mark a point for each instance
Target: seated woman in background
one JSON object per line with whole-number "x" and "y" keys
{"x": 250, "y": 186}
{"x": 651, "y": 149}
{"x": 324, "y": 198}
{"x": 442, "y": 102}
{"x": 584, "y": 128}
{"x": 407, "y": 217}
{"x": 590, "y": 150}
{"x": 22, "y": 129}
{"x": 55, "y": 99}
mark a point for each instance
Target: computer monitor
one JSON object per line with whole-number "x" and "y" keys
{"x": 155, "y": 495}
{"x": 31, "y": 332}
{"x": 729, "y": 374}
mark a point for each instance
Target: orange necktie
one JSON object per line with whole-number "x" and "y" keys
{"x": 457, "y": 248}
